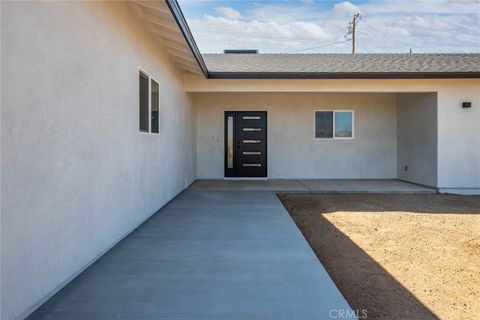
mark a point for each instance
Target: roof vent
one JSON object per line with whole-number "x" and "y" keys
{"x": 241, "y": 51}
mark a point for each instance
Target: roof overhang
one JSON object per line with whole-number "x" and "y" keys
{"x": 166, "y": 21}
{"x": 182, "y": 24}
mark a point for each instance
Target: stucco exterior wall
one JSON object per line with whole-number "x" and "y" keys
{"x": 292, "y": 150}
{"x": 458, "y": 129}
{"x": 459, "y": 139}
{"x": 76, "y": 174}
{"x": 417, "y": 138}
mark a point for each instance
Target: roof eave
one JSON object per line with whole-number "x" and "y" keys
{"x": 182, "y": 24}
{"x": 342, "y": 75}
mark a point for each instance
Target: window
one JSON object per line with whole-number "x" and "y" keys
{"x": 143, "y": 103}
{"x": 323, "y": 124}
{"x": 343, "y": 124}
{"x": 149, "y": 104}
{"x": 333, "y": 124}
{"x": 154, "y": 105}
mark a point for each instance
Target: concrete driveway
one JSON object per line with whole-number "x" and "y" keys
{"x": 208, "y": 254}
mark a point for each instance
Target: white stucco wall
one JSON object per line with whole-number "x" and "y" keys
{"x": 459, "y": 138}
{"x": 292, "y": 150}
{"x": 417, "y": 137}
{"x": 76, "y": 174}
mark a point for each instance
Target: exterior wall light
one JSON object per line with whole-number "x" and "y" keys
{"x": 466, "y": 105}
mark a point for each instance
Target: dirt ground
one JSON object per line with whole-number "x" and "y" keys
{"x": 397, "y": 256}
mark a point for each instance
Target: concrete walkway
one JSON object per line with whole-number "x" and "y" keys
{"x": 208, "y": 254}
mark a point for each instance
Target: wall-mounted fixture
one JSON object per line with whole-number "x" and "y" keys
{"x": 466, "y": 104}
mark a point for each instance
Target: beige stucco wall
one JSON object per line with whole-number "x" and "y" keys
{"x": 458, "y": 128}
{"x": 76, "y": 173}
{"x": 292, "y": 150}
{"x": 417, "y": 138}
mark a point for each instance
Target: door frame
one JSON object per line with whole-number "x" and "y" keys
{"x": 229, "y": 173}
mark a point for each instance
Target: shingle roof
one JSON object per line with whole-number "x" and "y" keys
{"x": 343, "y": 63}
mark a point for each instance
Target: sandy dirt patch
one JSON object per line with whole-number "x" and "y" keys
{"x": 397, "y": 256}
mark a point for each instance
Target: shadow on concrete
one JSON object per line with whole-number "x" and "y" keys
{"x": 357, "y": 202}
{"x": 364, "y": 283}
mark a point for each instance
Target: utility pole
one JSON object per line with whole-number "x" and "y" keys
{"x": 354, "y": 23}
{"x": 351, "y": 29}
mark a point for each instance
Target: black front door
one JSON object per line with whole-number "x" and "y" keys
{"x": 246, "y": 144}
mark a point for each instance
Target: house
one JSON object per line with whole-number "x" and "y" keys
{"x": 109, "y": 110}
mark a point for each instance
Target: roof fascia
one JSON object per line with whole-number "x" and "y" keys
{"x": 340, "y": 75}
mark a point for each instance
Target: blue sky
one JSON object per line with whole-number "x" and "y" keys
{"x": 308, "y": 26}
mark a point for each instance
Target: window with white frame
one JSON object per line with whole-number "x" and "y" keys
{"x": 336, "y": 124}
{"x": 149, "y": 103}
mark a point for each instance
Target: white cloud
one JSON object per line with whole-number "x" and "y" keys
{"x": 282, "y": 12}
{"x": 229, "y": 12}
{"x": 254, "y": 34}
{"x": 423, "y": 7}
{"x": 346, "y": 8}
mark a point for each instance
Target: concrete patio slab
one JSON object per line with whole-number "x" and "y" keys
{"x": 316, "y": 185}
{"x": 206, "y": 255}
{"x": 267, "y": 185}
{"x": 365, "y": 186}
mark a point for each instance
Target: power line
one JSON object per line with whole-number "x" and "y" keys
{"x": 351, "y": 28}
{"x": 317, "y": 47}
{"x": 361, "y": 46}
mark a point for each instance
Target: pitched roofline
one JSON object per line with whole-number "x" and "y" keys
{"x": 182, "y": 24}
{"x": 343, "y": 75}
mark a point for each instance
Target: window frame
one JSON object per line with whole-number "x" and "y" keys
{"x": 333, "y": 133}
{"x": 150, "y": 78}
